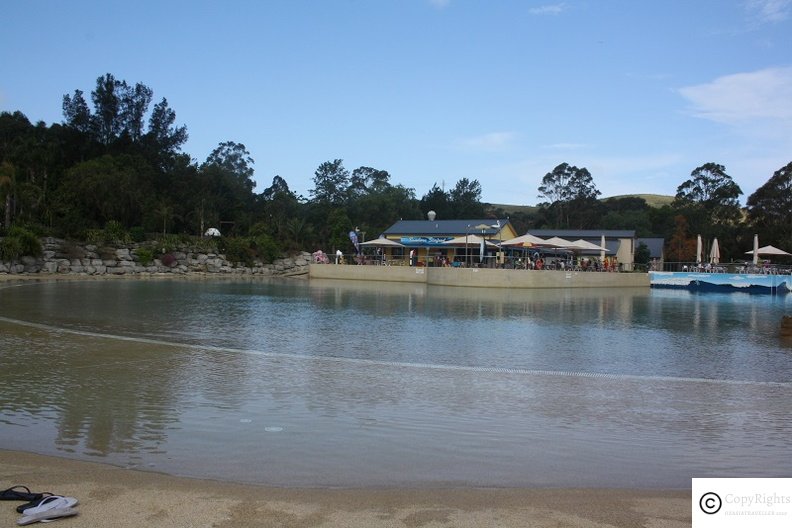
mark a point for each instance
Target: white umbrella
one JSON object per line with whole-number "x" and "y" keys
{"x": 471, "y": 240}
{"x": 587, "y": 246}
{"x": 558, "y": 242}
{"x": 715, "y": 252}
{"x": 382, "y": 242}
{"x": 212, "y": 231}
{"x": 698, "y": 249}
{"x": 756, "y": 249}
{"x": 767, "y": 250}
{"x": 525, "y": 240}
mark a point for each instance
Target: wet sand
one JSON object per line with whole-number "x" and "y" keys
{"x": 112, "y": 496}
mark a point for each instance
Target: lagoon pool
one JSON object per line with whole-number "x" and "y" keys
{"x": 343, "y": 384}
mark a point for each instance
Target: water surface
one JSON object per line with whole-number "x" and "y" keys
{"x": 374, "y": 384}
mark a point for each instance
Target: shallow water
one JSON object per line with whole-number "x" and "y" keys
{"x": 374, "y": 384}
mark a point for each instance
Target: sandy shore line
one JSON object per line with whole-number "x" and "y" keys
{"x": 111, "y": 496}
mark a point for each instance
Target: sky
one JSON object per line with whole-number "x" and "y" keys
{"x": 640, "y": 93}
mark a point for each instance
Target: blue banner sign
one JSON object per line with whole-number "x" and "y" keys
{"x": 424, "y": 241}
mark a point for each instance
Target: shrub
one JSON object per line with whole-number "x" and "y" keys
{"x": 137, "y": 234}
{"x": 115, "y": 232}
{"x": 168, "y": 260}
{"x": 94, "y": 236}
{"x": 10, "y": 249}
{"x": 145, "y": 256}
{"x": 168, "y": 243}
{"x": 238, "y": 249}
{"x": 266, "y": 248}
{"x": 20, "y": 242}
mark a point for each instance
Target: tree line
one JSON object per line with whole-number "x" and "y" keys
{"x": 117, "y": 165}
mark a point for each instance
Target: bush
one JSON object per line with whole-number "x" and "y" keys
{"x": 10, "y": 249}
{"x": 266, "y": 248}
{"x": 115, "y": 233}
{"x": 20, "y": 242}
{"x": 145, "y": 256}
{"x": 238, "y": 249}
{"x": 137, "y": 234}
{"x": 168, "y": 260}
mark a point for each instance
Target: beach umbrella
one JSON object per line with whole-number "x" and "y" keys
{"x": 767, "y": 250}
{"x": 715, "y": 251}
{"x": 698, "y": 249}
{"x": 526, "y": 240}
{"x": 382, "y": 242}
{"x": 756, "y": 250}
{"x": 602, "y": 252}
{"x": 558, "y": 242}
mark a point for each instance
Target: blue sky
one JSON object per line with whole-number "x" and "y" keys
{"x": 639, "y": 92}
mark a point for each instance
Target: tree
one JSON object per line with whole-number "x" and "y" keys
{"x": 279, "y": 205}
{"x": 331, "y": 181}
{"x": 134, "y": 106}
{"x": 710, "y": 196}
{"x": 76, "y": 113}
{"x": 465, "y": 199}
{"x": 563, "y": 186}
{"x": 163, "y": 136}
{"x": 365, "y": 180}
{"x": 681, "y": 247}
{"x": 7, "y": 181}
{"x": 235, "y": 159}
{"x": 437, "y": 200}
{"x": 107, "y": 109}
{"x": 770, "y": 207}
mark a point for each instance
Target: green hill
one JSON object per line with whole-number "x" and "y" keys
{"x": 653, "y": 200}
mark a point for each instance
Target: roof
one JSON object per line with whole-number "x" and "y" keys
{"x": 655, "y": 246}
{"x": 445, "y": 227}
{"x": 574, "y": 234}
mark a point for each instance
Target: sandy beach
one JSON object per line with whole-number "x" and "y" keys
{"x": 111, "y": 496}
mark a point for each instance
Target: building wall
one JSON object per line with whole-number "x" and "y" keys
{"x": 481, "y": 277}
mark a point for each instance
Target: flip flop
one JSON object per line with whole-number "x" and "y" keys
{"x": 22, "y": 507}
{"x": 13, "y": 494}
{"x": 46, "y": 504}
{"x": 49, "y": 515}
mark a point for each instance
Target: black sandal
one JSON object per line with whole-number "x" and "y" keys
{"x": 27, "y": 495}
{"x": 35, "y": 502}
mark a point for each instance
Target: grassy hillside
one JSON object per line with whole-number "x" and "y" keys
{"x": 653, "y": 200}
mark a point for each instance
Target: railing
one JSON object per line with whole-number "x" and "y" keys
{"x": 731, "y": 267}
{"x": 488, "y": 262}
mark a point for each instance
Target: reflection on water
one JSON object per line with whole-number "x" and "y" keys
{"x": 343, "y": 384}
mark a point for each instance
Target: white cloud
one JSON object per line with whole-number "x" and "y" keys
{"x": 764, "y": 95}
{"x": 488, "y": 142}
{"x": 769, "y": 11}
{"x": 549, "y": 9}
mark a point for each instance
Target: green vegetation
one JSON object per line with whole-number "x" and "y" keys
{"x": 113, "y": 173}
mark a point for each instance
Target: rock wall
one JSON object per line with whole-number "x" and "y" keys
{"x": 61, "y": 257}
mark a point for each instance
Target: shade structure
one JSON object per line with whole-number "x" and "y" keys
{"x": 714, "y": 255}
{"x": 698, "y": 249}
{"x": 212, "y": 231}
{"x": 767, "y": 250}
{"x": 470, "y": 240}
{"x": 558, "y": 242}
{"x": 382, "y": 242}
{"x": 526, "y": 240}
{"x": 587, "y": 246}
